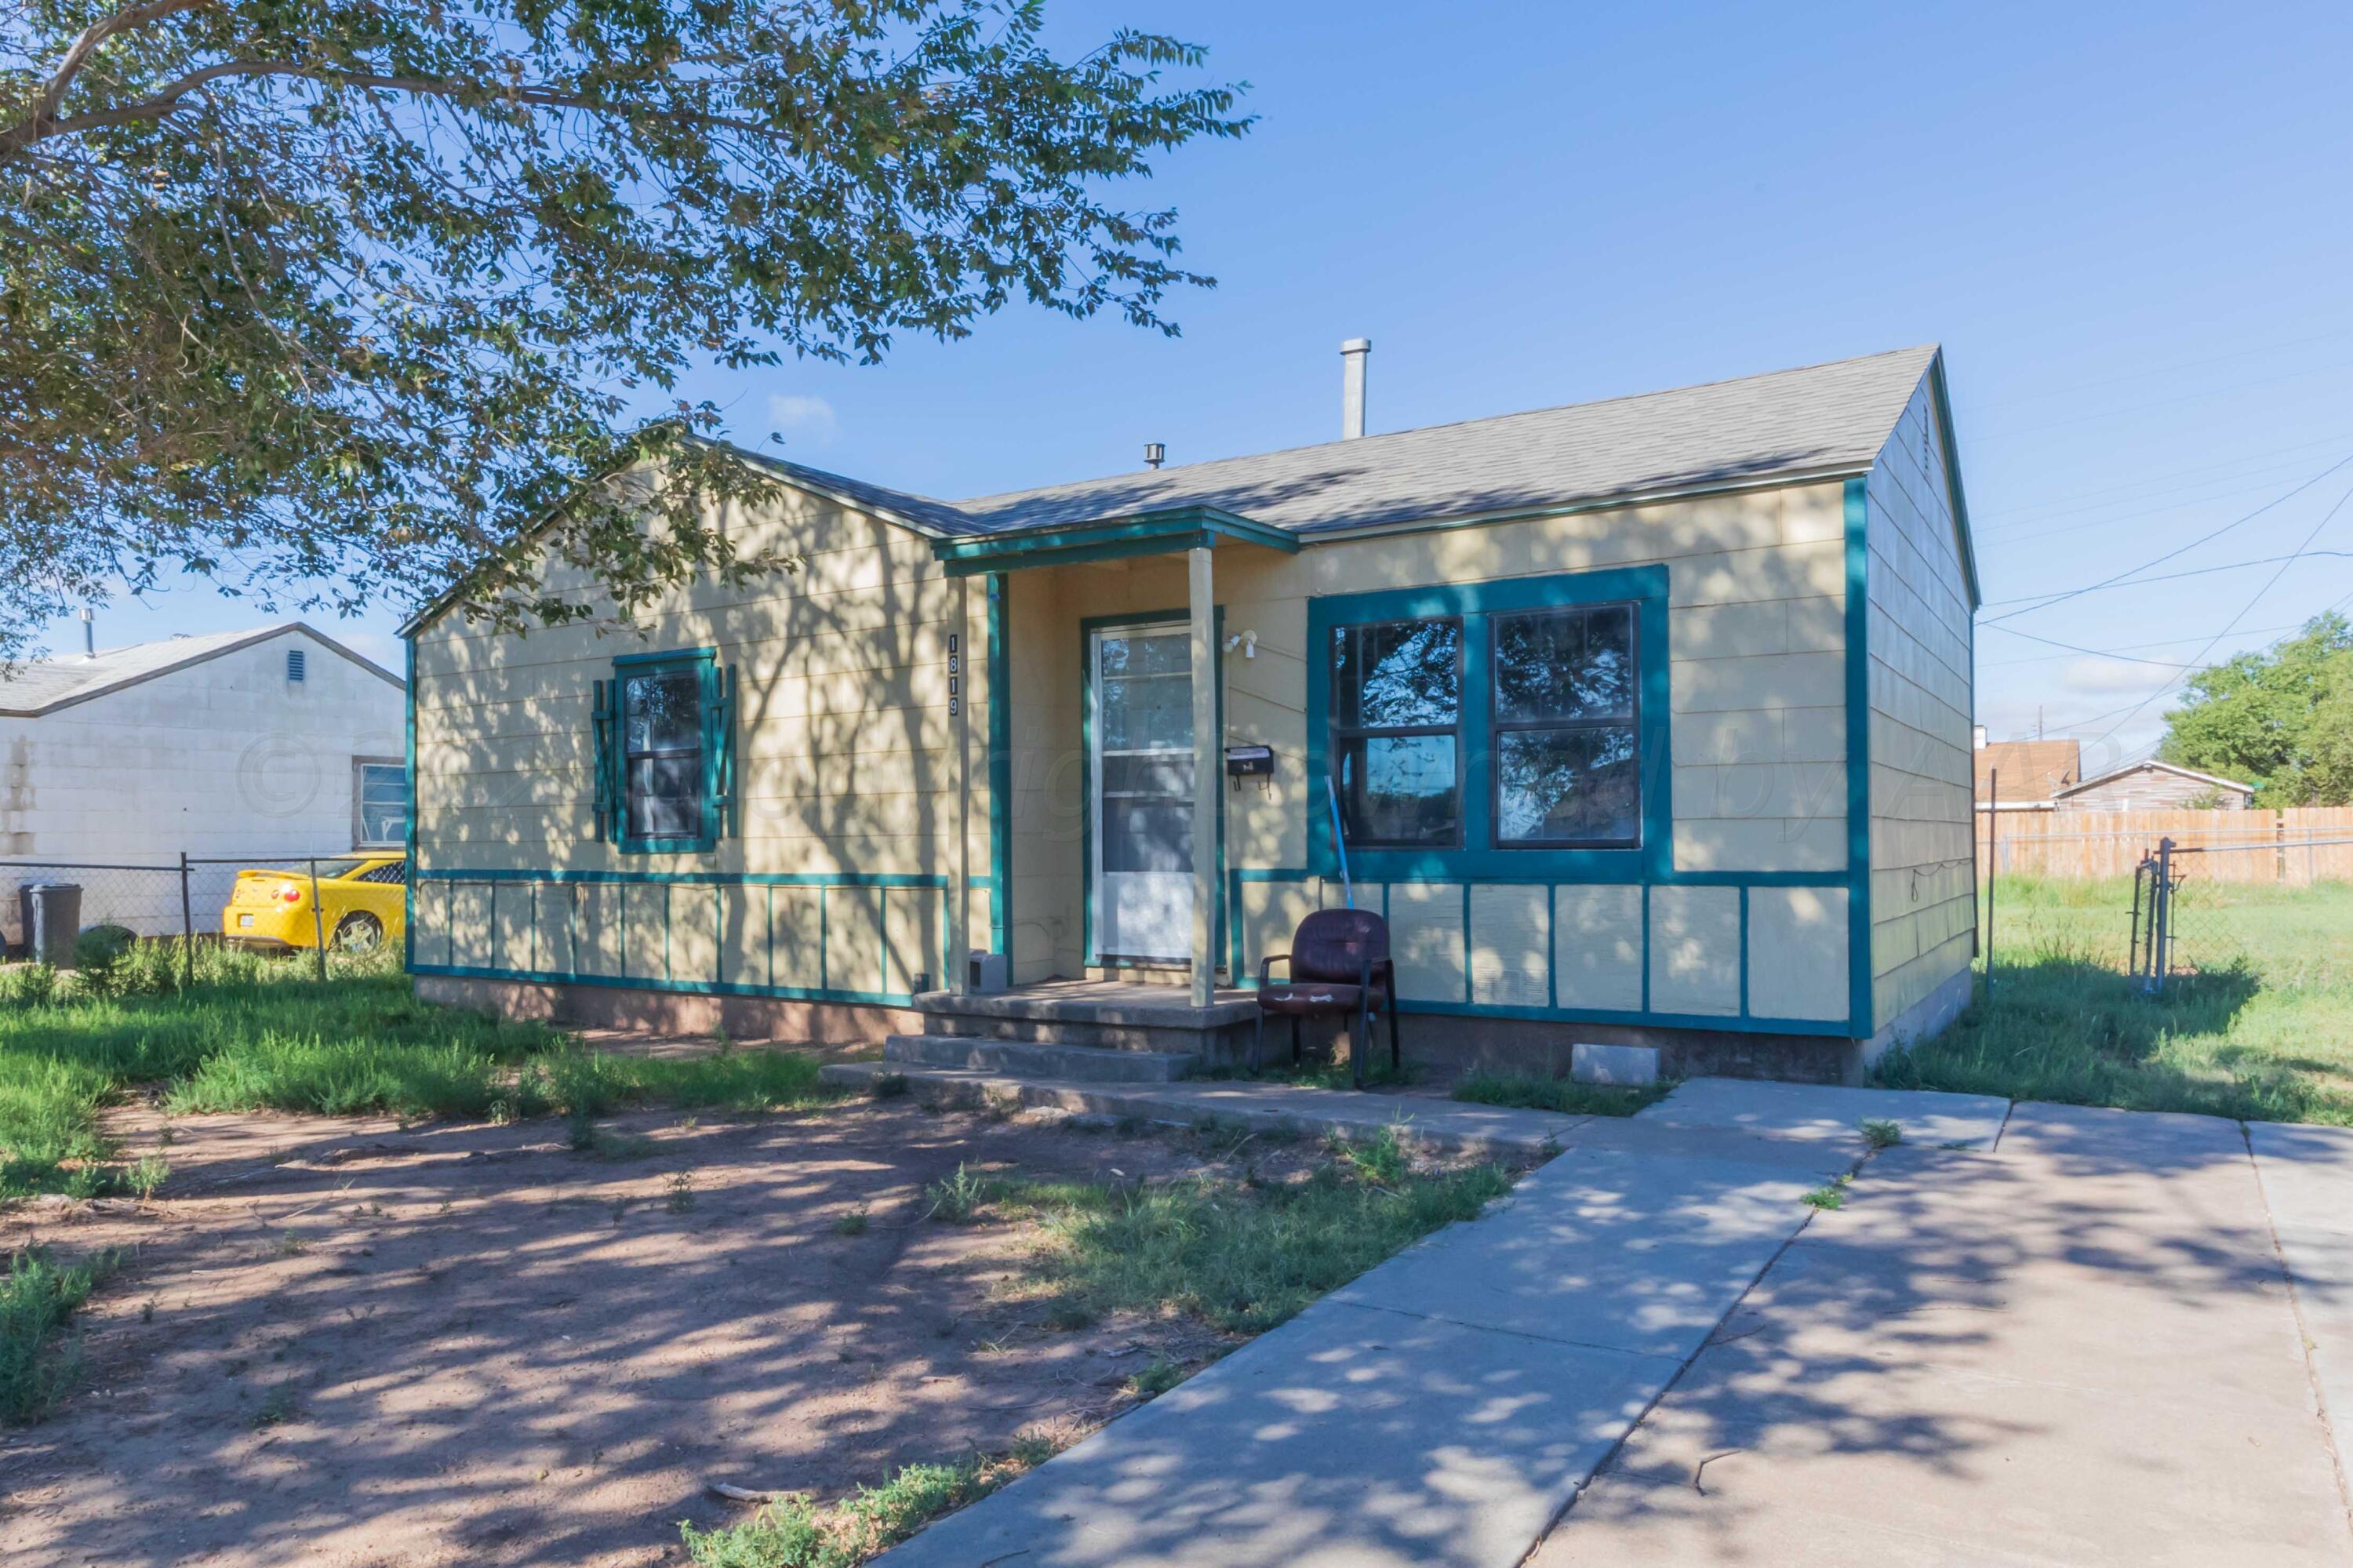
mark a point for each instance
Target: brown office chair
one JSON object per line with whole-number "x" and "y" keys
{"x": 1339, "y": 963}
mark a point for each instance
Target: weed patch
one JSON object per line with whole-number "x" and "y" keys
{"x": 795, "y": 1532}
{"x": 36, "y": 1364}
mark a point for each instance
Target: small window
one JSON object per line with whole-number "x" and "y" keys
{"x": 661, "y": 753}
{"x": 295, "y": 660}
{"x": 1397, "y": 714}
{"x": 1567, "y": 762}
{"x": 381, "y": 793}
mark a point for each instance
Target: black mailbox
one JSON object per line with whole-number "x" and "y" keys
{"x": 1249, "y": 762}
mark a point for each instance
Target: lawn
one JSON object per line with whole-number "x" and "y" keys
{"x": 349, "y": 1255}
{"x": 2264, "y": 1031}
{"x": 254, "y": 1034}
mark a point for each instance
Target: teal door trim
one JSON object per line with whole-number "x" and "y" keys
{"x": 1087, "y": 629}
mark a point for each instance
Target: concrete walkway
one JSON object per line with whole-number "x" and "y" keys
{"x": 2080, "y": 1350}
{"x": 1447, "y": 1405}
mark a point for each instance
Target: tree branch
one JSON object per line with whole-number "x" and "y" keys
{"x": 77, "y": 56}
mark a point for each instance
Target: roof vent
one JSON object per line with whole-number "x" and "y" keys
{"x": 1353, "y": 354}
{"x": 89, "y": 632}
{"x": 1154, "y": 454}
{"x": 294, "y": 663}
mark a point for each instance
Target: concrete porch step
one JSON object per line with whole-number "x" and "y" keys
{"x": 1107, "y": 1015}
{"x": 1040, "y": 1059}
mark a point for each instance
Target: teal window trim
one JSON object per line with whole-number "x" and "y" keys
{"x": 1144, "y": 534}
{"x": 1652, "y": 861}
{"x": 717, "y": 725}
{"x": 1087, "y": 629}
{"x": 1858, "y": 760}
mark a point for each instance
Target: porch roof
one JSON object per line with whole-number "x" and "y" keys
{"x": 1153, "y": 533}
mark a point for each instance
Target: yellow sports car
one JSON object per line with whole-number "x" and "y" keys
{"x": 362, "y": 904}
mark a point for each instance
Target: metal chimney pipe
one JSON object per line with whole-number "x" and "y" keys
{"x": 1353, "y": 354}
{"x": 89, "y": 632}
{"x": 1154, "y": 454}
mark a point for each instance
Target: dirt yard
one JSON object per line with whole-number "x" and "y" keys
{"x": 344, "y": 1342}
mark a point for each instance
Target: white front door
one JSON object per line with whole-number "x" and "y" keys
{"x": 1140, "y": 692}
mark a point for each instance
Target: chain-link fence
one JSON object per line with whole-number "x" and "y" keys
{"x": 301, "y": 904}
{"x": 2205, "y": 909}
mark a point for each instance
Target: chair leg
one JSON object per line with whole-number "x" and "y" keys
{"x": 1294, "y": 1040}
{"x": 1360, "y": 1043}
{"x": 1258, "y": 1043}
{"x": 1397, "y": 1048}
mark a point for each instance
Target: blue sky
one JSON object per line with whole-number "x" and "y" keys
{"x": 2126, "y": 223}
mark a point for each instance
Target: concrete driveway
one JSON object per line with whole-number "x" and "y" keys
{"x": 2081, "y": 1347}
{"x": 2034, "y": 1334}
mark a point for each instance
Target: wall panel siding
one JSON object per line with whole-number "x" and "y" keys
{"x": 1920, "y": 703}
{"x": 470, "y": 924}
{"x": 1270, "y": 913}
{"x": 694, "y": 933}
{"x": 1597, "y": 945}
{"x": 1425, "y": 938}
{"x": 1695, "y": 950}
{"x": 844, "y": 745}
{"x": 1511, "y": 934}
{"x": 1798, "y": 940}
{"x": 645, "y": 930}
{"x": 853, "y": 939}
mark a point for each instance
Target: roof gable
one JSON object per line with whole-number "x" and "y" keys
{"x": 43, "y": 686}
{"x": 2151, "y": 764}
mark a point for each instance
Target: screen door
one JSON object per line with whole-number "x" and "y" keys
{"x": 1141, "y": 697}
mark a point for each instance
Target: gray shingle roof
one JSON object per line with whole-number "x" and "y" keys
{"x": 40, "y": 686}
{"x": 1824, "y": 420}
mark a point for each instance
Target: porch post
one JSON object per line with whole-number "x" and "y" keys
{"x": 1207, "y": 778}
{"x": 958, "y": 958}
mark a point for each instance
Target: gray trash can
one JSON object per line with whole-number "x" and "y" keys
{"x": 50, "y": 914}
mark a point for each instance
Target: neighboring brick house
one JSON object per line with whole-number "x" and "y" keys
{"x": 2154, "y": 786}
{"x": 2031, "y": 773}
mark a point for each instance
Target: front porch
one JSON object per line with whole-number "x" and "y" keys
{"x": 1111, "y": 816}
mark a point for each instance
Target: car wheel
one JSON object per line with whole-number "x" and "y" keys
{"x": 359, "y": 934}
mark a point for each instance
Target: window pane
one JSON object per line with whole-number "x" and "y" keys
{"x": 1397, "y": 675}
{"x": 1167, "y": 775}
{"x": 1149, "y": 713}
{"x": 664, "y": 712}
{"x": 1399, "y": 790}
{"x": 1147, "y": 835}
{"x": 1566, "y": 663}
{"x": 1575, "y": 786}
{"x": 665, "y": 797}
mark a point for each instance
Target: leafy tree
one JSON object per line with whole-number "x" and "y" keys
{"x": 2281, "y": 718}
{"x": 332, "y": 299}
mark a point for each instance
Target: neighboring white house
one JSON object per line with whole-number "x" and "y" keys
{"x": 264, "y": 745}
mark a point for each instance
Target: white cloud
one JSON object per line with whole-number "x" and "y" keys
{"x": 795, "y": 413}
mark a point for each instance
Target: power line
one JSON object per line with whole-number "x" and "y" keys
{"x": 2095, "y": 652}
{"x": 1992, "y": 623}
{"x": 2170, "y": 555}
{"x": 2247, "y": 609}
{"x": 2123, "y": 647}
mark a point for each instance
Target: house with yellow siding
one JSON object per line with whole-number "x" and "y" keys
{"x": 1643, "y": 723}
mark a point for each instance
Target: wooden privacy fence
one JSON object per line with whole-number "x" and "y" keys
{"x": 2299, "y": 845}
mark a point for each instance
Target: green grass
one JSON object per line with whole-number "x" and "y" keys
{"x": 1532, "y": 1093}
{"x": 1243, "y": 1258}
{"x": 36, "y": 1296}
{"x": 2264, "y": 1031}
{"x": 797, "y": 1532}
{"x": 252, "y": 1035}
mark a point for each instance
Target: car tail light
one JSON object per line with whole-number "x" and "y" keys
{"x": 290, "y": 893}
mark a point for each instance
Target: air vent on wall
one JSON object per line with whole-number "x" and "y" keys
{"x": 293, "y": 664}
